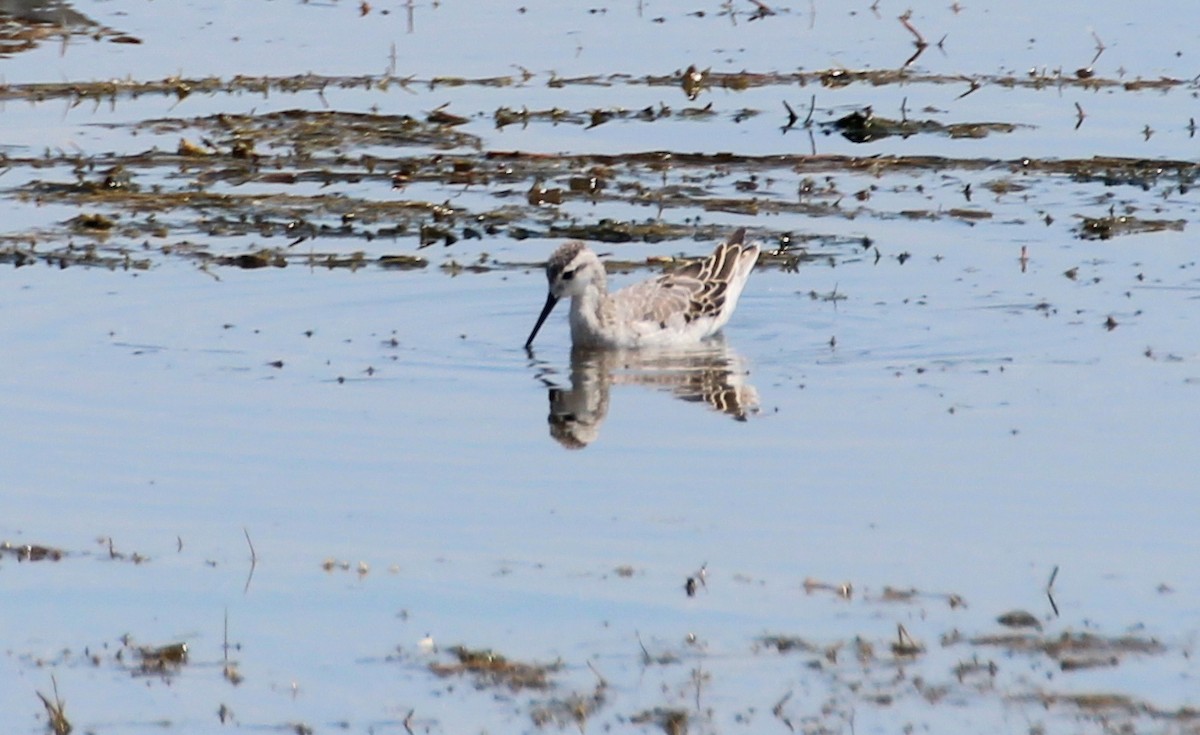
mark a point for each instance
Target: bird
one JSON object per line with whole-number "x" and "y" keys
{"x": 679, "y": 308}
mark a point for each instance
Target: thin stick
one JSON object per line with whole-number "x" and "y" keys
{"x": 253, "y": 555}
{"x": 55, "y": 712}
{"x": 603, "y": 683}
{"x": 1050, "y": 590}
{"x": 777, "y": 710}
{"x": 792, "y": 116}
{"x": 646, "y": 659}
{"x": 1099, "y": 47}
{"x": 253, "y": 560}
{"x": 920, "y": 41}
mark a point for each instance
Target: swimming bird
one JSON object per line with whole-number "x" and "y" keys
{"x": 677, "y": 308}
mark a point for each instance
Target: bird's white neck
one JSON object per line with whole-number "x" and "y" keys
{"x": 591, "y": 316}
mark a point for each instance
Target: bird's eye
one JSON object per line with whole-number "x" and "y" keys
{"x": 568, "y": 275}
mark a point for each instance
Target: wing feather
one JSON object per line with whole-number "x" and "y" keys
{"x": 696, "y": 290}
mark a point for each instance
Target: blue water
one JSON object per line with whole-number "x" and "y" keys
{"x": 955, "y": 424}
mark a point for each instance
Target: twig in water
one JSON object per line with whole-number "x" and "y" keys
{"x": 792, "y": 117}
{"x": 698, "y": 678}
{"x": 1050, "y": 590}
{"x": 905, "y": 20}
{"x": 646, "y": 658}
{"x": 1099, "y": 47}
{"x": 777, "y": 710}
{"x": 919, "y": 41}
{"x": 603, "y": 683}
{"x": 974, "y": 87}
{"x": 253, "y": 560}
{"x": 905, "y": 644}
{"x": 253, "y": 555}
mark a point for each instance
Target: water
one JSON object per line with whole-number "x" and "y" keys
{"x": 946, "y": 417}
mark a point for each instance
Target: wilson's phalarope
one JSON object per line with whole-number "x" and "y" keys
{"x": 678, "y": 308}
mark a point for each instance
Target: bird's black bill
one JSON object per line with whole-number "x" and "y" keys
{"x": 551, "y": 300}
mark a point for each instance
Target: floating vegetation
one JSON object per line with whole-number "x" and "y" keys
{"x": 302, "y": 131}
{"x": 161, "y": 660}
{"x": 123, "y": 219}
{"x": 573, "y": 709}
{"x": 1068, "y": 644}
{"x": 1104, "y": 228}
{"x": 691, "y": 82}
{"x": 1019, "y": 619}
{"x": 671, "y": 721}
{"x": 849, "y": 673}
{"x": 865, "y": 126}
{"x": 787, "y": 643}
{"x": 30, "y": 552}
{"x": 324, "y": 178}
{"x": 491, "y": 669}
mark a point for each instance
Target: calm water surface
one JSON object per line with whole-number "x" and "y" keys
{"x": 956, "y": 420}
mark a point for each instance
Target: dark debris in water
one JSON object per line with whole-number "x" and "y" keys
{"x": 1068, "y": 642}
{"x": 489, "y": 668}
{"x": 865, "y": 126}
{"x": 671, "y": 721}
{"x": 161, "y": 660}
{"x": 301, "y": 132}
{"x": 574, "y": 709}
{"x": 1104, "y": 228}
{"x": 31, "y": 552}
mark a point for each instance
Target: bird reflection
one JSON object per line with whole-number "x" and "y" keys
{"x": 56, "y": 12}
{"x": 710, "y": 373}
{"x": 24, "y": 24}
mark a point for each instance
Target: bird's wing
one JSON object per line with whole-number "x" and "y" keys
{"x": 696, "y": 290}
